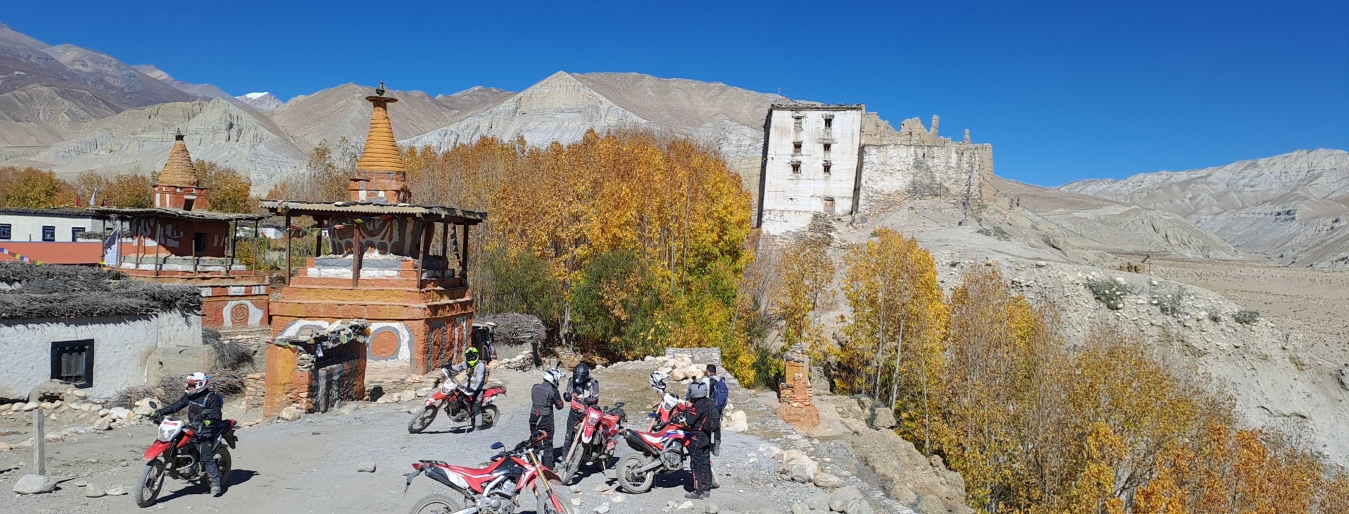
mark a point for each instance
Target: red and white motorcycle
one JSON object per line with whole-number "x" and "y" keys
{"x": 596, "y": 438}
{"x": 454, "y": 399}
{"x": 495, "y": 488}
{"x": 174, "y": 453}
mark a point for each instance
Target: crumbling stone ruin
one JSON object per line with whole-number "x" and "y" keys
{"x": 844, "y": 162}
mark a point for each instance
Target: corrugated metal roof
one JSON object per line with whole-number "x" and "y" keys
{"x": 433, "y": 211}
{"x": 174, "y": 213}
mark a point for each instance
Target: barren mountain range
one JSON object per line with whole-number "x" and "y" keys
{"x": 1290, "y": 208}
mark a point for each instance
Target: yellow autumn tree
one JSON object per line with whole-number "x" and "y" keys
{"x": 228, "y": 188}
{"x": 805, "y": 275}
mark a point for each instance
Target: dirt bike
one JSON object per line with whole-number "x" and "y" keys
{"x": 454, "y": 399}
{"x": 661, "y": 451}
{"x": 494, "y": 488}
{"x": 669, "y": 407}
{"x": 596, "y": 438}
{"x": 174, "y": 453}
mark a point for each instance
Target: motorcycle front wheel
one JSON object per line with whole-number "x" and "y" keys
{"x": 438, "y": 504}
{"x": 551, "y": 503}
{"x": 573, "y": 462}
{"x": 632, "y": 480}
{"x": 152, "y": 480}
{"x": 422, "y": 420}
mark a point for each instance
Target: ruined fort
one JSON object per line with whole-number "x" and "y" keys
{"x": 847, "y": 163}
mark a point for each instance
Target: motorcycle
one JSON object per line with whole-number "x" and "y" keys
{"x": 669, "y": 407}
{"x": 660, "y": 451}
{"x": 454, "y": 399}
{"x": 174, "y": 453}
{"x": 495, "y": 488}
{"x": 596, "y": 438}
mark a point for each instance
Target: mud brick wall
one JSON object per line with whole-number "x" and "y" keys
{"x": 796, "y": 406}
{"x": 291, "y": 380}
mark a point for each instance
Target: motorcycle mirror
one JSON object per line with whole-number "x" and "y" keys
{"x": 619, "y": 405}
{"x": 153, "y": 405}
{"x": 498, "y": 446}
{"x": 651, "y": 415}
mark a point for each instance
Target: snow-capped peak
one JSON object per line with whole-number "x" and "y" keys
{"x": 255, "y": 96}
{"x": 262, "y": 101}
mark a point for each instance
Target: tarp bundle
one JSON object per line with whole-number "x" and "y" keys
{"x": 55, "y": 291}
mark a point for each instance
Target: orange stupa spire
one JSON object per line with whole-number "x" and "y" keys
{"x": 380, "y": 175}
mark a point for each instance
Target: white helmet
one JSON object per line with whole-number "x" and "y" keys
{"x": 658, "y": 379}
{"x": 196, "y": 382}
{"x": 553, "y": 376}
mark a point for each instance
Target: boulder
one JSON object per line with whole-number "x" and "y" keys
{"x": 839, "y": 500}
{"x": 118, "y": 413}
{"x": 16, "y": 406}
{"x": 737, "y": 422}
{"x": 826, "y": 480}
{"x": 93, "y": 491}
{"x": 144, "y": 410}
{"x": 102, "y": 424}
{"x": 407, "y": 396}
{"x": 30, "y": 406}
{"x": 292, "y": 413}
{"x": 47, "y": 391}
{"x": 930, "y": 504}
{"x": 34, "y": 484}
{"x": 882, "y": 418}
{"x": 4, "y": 447}
{"x": 116, "y": 491}
{"x": 858, "y": 506}
{"x": 366, "y": 467}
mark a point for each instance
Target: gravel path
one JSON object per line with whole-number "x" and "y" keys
{"x": 311, "y": 465}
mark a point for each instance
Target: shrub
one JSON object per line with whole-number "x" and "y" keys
{"x": 1109, "y": 292}
{"x": 1170, "y": 303}
{"x": 1246, "y": 317}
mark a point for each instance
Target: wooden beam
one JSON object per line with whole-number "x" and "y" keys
{"x": 463, "y": 256}
{"x": 286, "y": 227}
{"x": 445, "y": 240}
{"x": 358, "y": 257}
{"x": 159, "y": 243}
{"x": 318, "y": 238}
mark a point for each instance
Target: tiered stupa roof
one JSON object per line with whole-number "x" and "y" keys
{"x": 178, "y": 170}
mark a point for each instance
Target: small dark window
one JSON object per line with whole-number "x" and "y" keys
{"x": 828, "y": 122}
{"x": 187, "y": 204}
{"x": 75, "y": 233}
{"x": 796, "y": 147}
{"x": 73, "y": 362}
{"x": 198, "y": 242}
{"x": 48, "y": 233}
{"x": 6, "y": 231}
{"x": 827, "y": 165}
{"x": 796, "y": 167}
{"x": 826, "y": 147}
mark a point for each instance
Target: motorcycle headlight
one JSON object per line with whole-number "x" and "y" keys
{"x": 166, "y": 434}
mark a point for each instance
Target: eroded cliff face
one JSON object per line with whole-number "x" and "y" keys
{"x": 1290, "y": 208}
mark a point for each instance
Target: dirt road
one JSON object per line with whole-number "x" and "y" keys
{"x": 311, "y": 465}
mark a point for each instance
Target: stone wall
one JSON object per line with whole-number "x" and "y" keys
{"x": 957, "y": 172}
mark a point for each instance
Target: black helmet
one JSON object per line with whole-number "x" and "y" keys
{"x": 581, "y": 374}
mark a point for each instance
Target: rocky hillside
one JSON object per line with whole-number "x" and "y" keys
{"x": 262, "y": 101}
{"x": 1290, "y": 208}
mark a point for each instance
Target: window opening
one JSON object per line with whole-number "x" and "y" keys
{"x": 796, "y": 167}
{"x": 73, "y": 362}
{"x": 828, "y": 205}
{"x": 828, "y": 122}
{"x": 827, "y": 165}
{"x": 48, "y": 233}
{"x": 6, "y": 231}
{"x": 826, "y": 147}
{"x": 187, "y": 204}
{"x": 198, "y": 242}
{"x": 796, "y": 147}
{"x": 75, "y": 233}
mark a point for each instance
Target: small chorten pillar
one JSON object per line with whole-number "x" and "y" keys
{"x": 795, "y": 404}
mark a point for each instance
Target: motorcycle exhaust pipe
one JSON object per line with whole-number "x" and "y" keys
{"x": 651, "y": 466}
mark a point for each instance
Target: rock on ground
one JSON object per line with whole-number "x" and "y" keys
{"x": 34, "y": 484}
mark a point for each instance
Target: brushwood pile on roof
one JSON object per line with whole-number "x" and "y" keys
{"x": 40, "y": 292}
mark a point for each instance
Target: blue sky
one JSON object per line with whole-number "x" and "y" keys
{"x": 1063, "y": 91}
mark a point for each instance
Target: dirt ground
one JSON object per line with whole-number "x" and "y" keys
{"x": 311, "y": 465}
{"x": 1313, "y": 304}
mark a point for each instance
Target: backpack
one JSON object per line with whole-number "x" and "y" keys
{"x": 720, "y": 393}
{"x": 713, "y": 422}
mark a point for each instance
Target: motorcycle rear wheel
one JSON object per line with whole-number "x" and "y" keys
{"x": 438, "y": 504}
{"x": 490, "y": 415}
{"x": 152, "y": 480}
{"x": 224, "y": 463}
{"x": 422, "y": 420}
{"x": 628, "y": 478}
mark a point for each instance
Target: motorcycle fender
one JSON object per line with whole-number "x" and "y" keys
{"x": 550, "y": 476}
{"x": 437, "y": 474}
{"x": 155, "y": 450}
{"x": 635, "y": 441}
{"x": 231, "y": 439}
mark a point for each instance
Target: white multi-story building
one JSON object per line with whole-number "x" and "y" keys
{"x": 810, "y": 164}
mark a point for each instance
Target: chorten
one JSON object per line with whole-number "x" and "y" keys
{"x": 177, "y": 186}
{"x": 380, "y": 176}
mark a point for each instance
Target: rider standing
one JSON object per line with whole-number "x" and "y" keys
{"x": 203, "y": 414}
{"x": 701, "y": 419}
{"x": 583, "y": 389}
{"x": 545, "y": 399}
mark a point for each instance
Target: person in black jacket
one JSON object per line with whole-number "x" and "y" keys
{"x": 700, "y": 420}
{"x": 545, "y": 399}
{"x": 582, "y": 389}
{"x": 203, "y": 415}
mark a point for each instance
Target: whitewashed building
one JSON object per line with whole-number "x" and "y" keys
{"x": 810, "y": 164}
{"x": 46, "y": 225}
